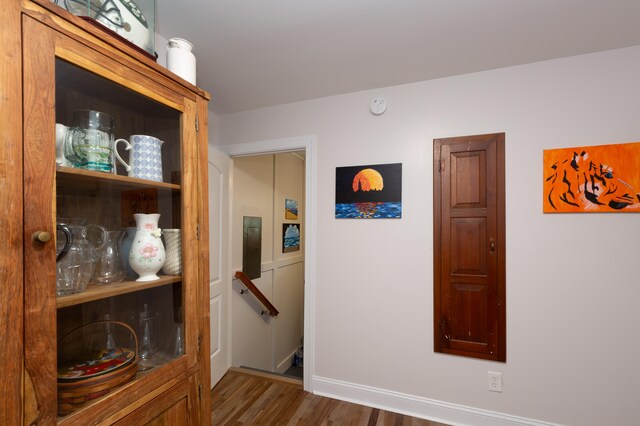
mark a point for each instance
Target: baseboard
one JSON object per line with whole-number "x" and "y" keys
{"x": 286, "y": 362}
{"x": 439, "y": 411}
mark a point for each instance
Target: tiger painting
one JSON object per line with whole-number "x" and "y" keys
{"x": 577, "y": 180}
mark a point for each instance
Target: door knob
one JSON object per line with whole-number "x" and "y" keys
{"x": 492, "y": 246}
{"x": 42, "y": 236}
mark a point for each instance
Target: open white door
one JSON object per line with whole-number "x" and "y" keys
{"x": 219, "y": 279}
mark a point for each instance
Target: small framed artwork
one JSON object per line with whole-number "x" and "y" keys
{"x": 291, "y": 209}
{"x": 600, "y": 178}
{"x": 290, "y": 237}
{"x": 369, "y": 192}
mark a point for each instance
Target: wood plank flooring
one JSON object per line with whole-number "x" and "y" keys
{"x": 252, "y": 398}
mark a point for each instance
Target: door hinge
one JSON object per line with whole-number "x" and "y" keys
{"x": 197, "y": 123}
{"x": 199, "y": 392}
{"x": 198, "y": 343}
{"x": 441, "y": 166}
{"x": 198, "y": 231}
{"x": 443, "y": 329}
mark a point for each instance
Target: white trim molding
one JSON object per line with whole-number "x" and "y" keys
{"x": 308, "y": 145}
{"x": 302, "y": 143}
{"x": 425, "y": 408}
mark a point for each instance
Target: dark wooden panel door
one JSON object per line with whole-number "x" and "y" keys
{"x": 469, "y": 267}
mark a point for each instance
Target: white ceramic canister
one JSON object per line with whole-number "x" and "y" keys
{"x": 181, "y": 60}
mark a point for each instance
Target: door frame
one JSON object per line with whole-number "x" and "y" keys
{"x": 308, "y": 145}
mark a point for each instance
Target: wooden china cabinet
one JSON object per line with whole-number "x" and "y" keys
{"x": 55, "y": 64}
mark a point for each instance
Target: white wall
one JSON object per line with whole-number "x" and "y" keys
{"x": 260, "y": 186}
{"x": 252, "y": 195}
{"x": 160, "y": 46}
{"x": 573, "y": 322}
{"x": 288, "y": 267}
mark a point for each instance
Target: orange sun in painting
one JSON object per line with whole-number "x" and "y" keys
{"x": 368, "y": 180}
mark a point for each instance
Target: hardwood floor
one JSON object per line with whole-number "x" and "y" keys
{"x": 254, "y": 398}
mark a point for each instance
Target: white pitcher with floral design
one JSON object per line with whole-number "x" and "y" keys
{"x": 147, "y": 255}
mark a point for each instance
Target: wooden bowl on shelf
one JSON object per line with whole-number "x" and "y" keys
{"x": 96, "y": 376}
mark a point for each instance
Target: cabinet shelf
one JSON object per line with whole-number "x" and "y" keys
{"x": 97, "y": 292}
{"x": 88, "y": 177}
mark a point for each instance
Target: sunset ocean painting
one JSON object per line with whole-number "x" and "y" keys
{"x": 369, "y": 192}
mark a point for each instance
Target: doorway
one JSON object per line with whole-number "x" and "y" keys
{"x": 306, "y": 148}
{"x": 267, "y": 239}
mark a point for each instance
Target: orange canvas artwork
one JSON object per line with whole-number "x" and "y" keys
{"x": 601, "y": 178}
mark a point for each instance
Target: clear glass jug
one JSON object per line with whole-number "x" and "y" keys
{"x": 88, "y": 144}
{"x": 75, "y": 267}
{"x": 109, "y": 268}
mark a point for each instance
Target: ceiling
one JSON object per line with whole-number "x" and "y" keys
{"x": 257, "y": 53}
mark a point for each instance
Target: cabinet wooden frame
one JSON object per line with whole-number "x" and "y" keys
{"x": 11, "y": 187}
{"x": 50, "y": 34}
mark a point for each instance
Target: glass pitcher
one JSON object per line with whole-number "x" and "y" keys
{"x": 109, "y": 268}
{"x": 88, "y": 144}
{"x": 75, "y": 267}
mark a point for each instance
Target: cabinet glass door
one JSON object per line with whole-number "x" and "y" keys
{"x": 106, "y": 299}
{"x": 117, "y": 302}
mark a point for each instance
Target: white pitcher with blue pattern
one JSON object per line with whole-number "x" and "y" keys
{"x": 145, "y": 157}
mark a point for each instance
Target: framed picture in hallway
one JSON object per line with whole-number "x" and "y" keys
{"x": 290, "y": 209}
{"x": 290, "y": 237}
{"x": 600, "y": 178}
{"x": 369, "y": 192}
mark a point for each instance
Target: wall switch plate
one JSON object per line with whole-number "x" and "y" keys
{"x": 495, "y": 381}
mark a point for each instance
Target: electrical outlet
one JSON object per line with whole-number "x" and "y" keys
{"x": 495, "y": 381}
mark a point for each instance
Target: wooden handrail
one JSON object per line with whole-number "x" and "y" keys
{"x": 257, "y": 293}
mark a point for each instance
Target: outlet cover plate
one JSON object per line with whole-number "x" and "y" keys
{"x": 495, "y": 381}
